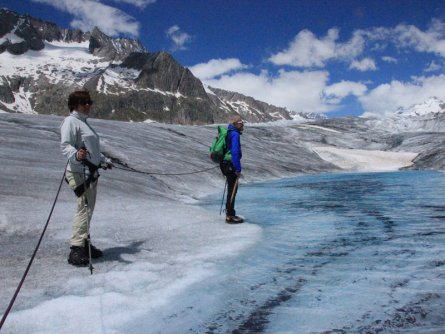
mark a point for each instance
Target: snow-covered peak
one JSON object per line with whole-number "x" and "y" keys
{"x": 432, "y": 105}
{"x": 418, "y": 117}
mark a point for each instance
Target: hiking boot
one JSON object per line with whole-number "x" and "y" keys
{"x": 234, "y": 220}
{"x": 95, "y": 252}
{"x": 78, "y": 257}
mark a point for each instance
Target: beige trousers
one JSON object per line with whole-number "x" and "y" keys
{"x": 83, "y": 213}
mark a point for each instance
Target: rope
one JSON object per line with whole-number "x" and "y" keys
{"x": 129, "y": 169}
{"x": 11, "y": 303}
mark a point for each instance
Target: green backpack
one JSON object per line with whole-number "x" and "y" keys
{"x": 218, "y": 149}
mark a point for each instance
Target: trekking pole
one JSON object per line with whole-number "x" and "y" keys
{"x": 222, "y": 200}
{"x": 87, "y": 209}
{"x": 235, "y": 187}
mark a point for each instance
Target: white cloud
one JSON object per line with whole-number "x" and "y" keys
{"x": 306, "y": 50}
{"x": 309, "y": 51}
{"x": 309, "y": 90}
{"x": 431, "y": 41}
{"x": 138, "y": 3}
{"x": 406, "y": 36}
{"x": 389, "y": 59}
{"x": 297, "y": 91}
{"x": 353, "y": 48}
{"x": 366, "y": 64}
{"x": 305, "y": 91}
{"x": 390, "y": 96}
{"x": 433, "y": 66}
{"x": 178, "y": 37}
{"x": 88, "y": 14}
{"x": 216, "y": 67}
{"x": 335, "y": 93}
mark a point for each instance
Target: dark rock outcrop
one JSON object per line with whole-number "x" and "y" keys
{"x": 18, "y": 34}
{"x": 250, "y": 109}
{"x": 135, "y": 85}
{"x": 161, "y": 71}
{"x": 111, "y": 49}
{"x": 50, "y": 32}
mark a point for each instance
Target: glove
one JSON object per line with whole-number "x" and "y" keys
{"x": 107, "y": 164}
{"x": 81, "y": 154}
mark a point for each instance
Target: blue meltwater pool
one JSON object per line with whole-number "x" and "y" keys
{"x": 338, "y": 253}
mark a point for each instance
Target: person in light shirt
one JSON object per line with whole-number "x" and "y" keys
{"x": 80, "y": 144}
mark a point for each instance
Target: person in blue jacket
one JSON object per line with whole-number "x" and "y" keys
{"x": 232, "y": 168}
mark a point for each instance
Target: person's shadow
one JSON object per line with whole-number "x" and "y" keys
{"x": 115, "y": 253}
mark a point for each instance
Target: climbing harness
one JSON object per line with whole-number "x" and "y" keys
{"x": 92, "y": 177}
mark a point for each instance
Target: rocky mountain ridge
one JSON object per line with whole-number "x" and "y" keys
{"x": 42, "y": 63}
{"x": 249, "y": 107}
{"x": 21, "y": 33}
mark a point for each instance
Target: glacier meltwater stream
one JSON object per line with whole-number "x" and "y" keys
{"x": 338, "y": 253}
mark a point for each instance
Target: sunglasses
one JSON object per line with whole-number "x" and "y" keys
{"x": 86, "y": 103}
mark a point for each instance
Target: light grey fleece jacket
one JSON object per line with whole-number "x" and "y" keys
{"x": 76, "y": 132}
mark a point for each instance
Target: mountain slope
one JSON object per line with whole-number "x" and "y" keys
{"x": 250, "y": 109}
{"x": 41, "y": 63}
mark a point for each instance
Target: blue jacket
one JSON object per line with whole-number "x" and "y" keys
{"x": 234, "y": 145}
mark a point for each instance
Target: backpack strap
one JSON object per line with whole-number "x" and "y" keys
{"x": 227, "y": 149}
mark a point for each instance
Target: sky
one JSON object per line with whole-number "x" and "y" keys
{"x": 339, "y": 57}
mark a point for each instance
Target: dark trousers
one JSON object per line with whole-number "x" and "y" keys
{"x": 232, "y": 186}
